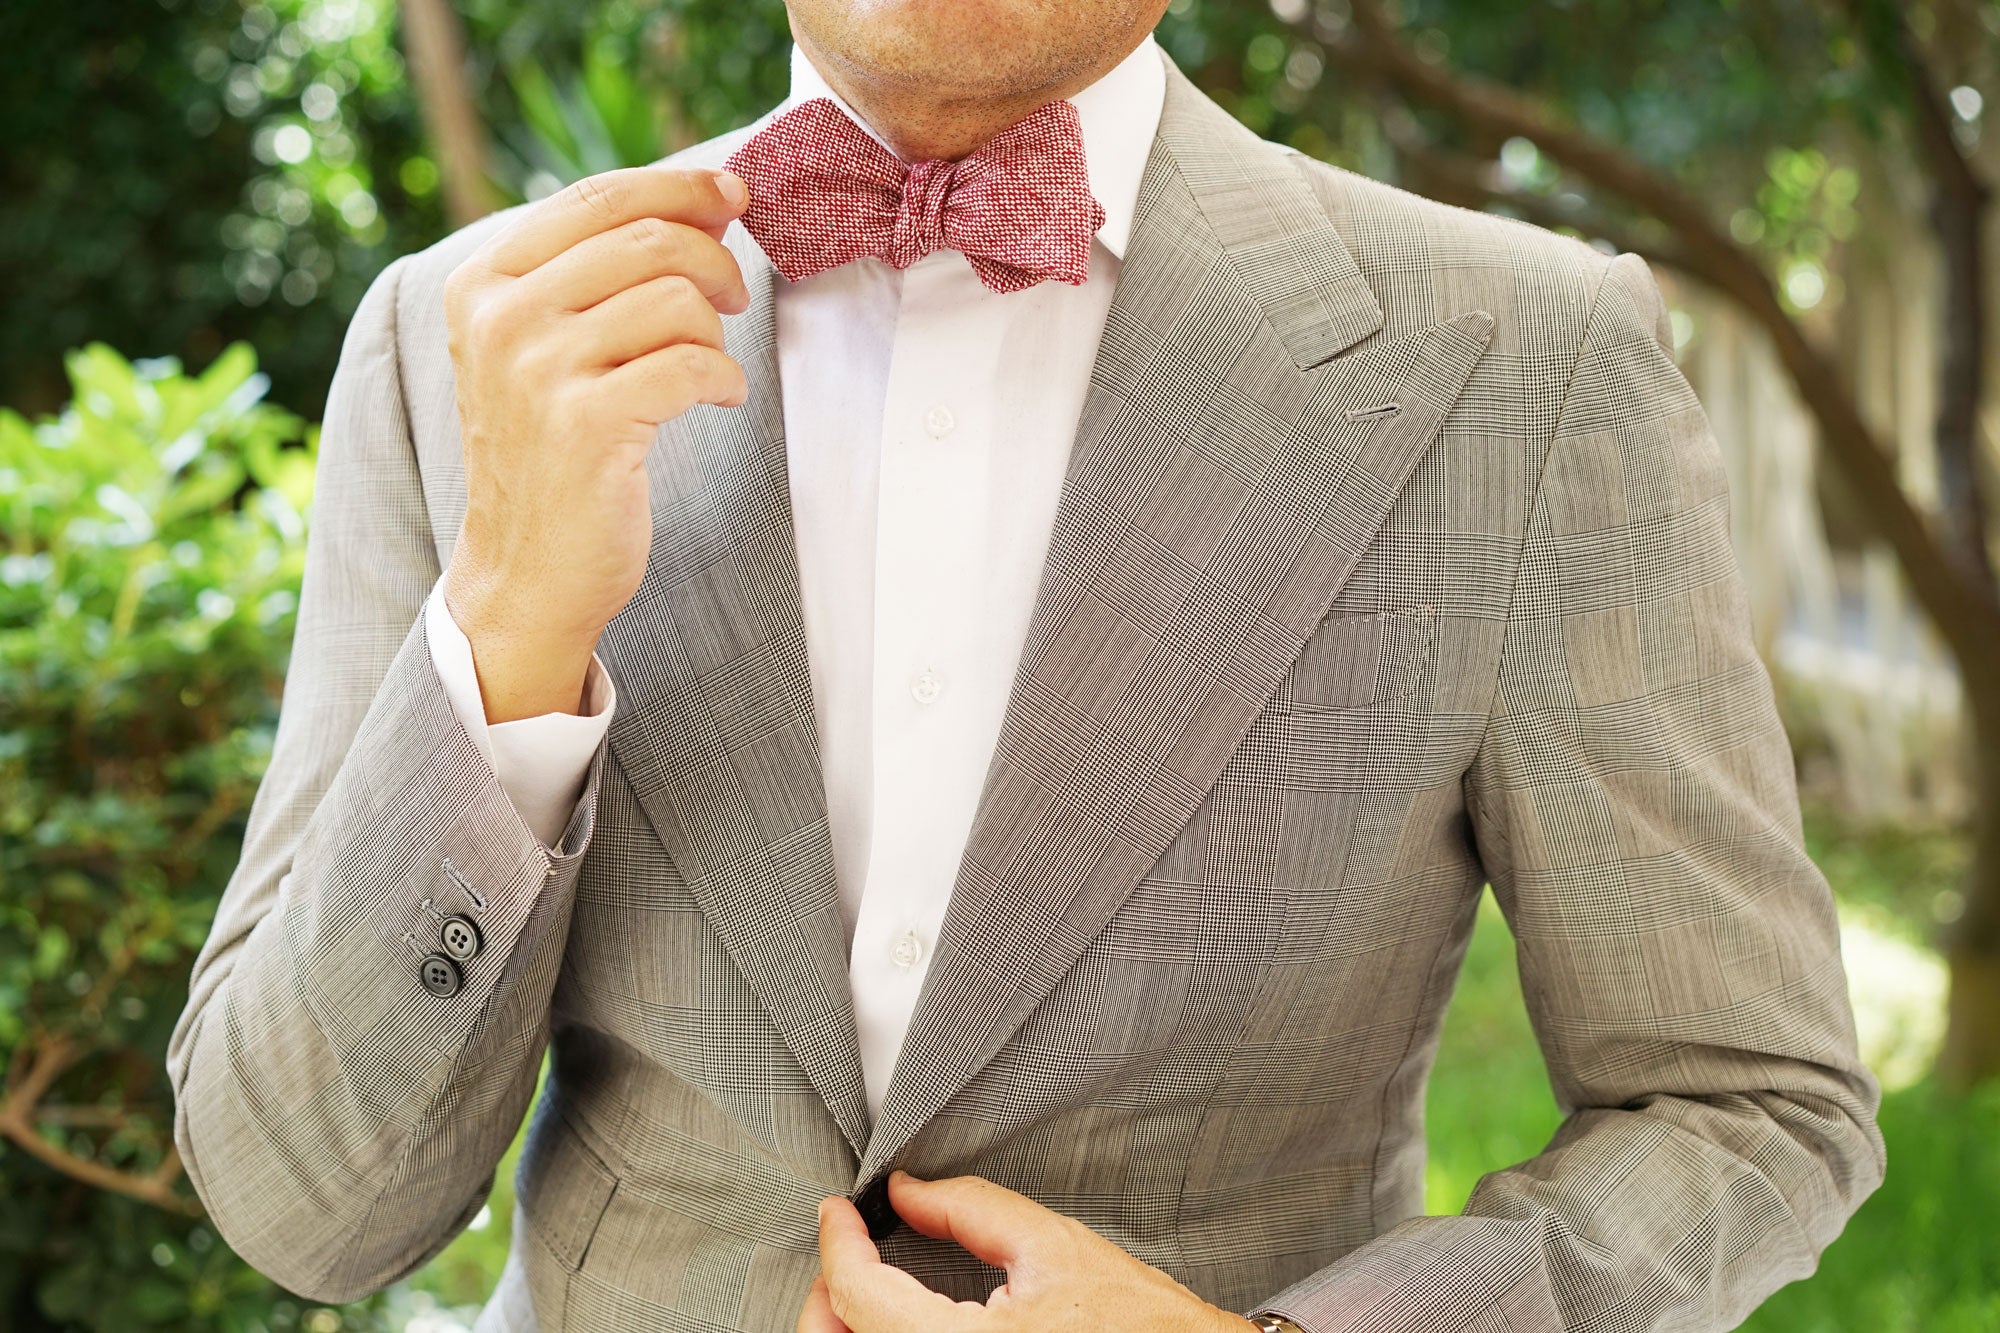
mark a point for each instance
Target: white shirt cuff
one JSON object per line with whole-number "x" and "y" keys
{"x": 540, "y": 762}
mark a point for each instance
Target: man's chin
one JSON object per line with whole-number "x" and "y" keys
{"x": 959, "y": 50}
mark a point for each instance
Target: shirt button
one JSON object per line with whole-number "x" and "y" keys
{"x": 907, "y": 949}
{"x": 926, "y": 687}
{"x": 939, "y": 421}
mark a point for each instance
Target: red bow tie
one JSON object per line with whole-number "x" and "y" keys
{"x": 823, "y": 192}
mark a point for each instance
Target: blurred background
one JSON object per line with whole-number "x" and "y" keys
{"x": 194, "y": 193}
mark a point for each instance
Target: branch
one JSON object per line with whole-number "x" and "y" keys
{"x": 1965, "y": 616}
{"x": 1959, "y": 200}
{"x": 48, "y": 1057}
{"x": 1459, "y": 179}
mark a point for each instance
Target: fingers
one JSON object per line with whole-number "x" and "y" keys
{"x": 991, "y": 1221}
{"x": 870, "y": 1296}
{"x": 818, "y": 1315}
{"x": 640, "y": 319}
{"x": 843, "y": 1237}
{"x": 666, "y": 382}
{"x": 598, "y": 267}
{"x": 609, "y": 200}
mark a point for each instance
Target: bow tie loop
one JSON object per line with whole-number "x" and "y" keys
{"x": 823, "y": 192}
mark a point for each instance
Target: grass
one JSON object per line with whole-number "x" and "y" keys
{"x": 1921, "y": 1256}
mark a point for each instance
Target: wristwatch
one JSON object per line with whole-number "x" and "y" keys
{"x": 1272, "y": 1323}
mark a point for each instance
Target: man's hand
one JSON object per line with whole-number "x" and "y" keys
{"x": 573, "y": 335}
{"x": 1060, "y": 1273}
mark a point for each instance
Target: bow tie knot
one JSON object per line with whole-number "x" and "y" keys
{"x": 920, "y": 217}
{"x": 823, "y": 193}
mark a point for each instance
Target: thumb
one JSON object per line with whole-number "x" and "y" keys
{"x": 990, "y": 1221}
{"x": 735, "y": 192}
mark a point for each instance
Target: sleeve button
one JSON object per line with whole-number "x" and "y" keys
{"x": 440, "y": 975}
{"x": 460, "y": 938}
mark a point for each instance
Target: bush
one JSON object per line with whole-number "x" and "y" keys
{"x": 154, "y": 538}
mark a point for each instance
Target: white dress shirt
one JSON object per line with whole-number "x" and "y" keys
{"x": 928, "y": 425}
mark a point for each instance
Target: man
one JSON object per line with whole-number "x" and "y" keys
{"x": 980, "y": 768}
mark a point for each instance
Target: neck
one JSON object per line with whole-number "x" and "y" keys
{"x": 922, "y": 121}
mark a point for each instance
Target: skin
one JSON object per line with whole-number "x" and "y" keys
{"x": 597, "y": 316}
{"x": 938, "y": 78}
{"x": 573, "y": 335}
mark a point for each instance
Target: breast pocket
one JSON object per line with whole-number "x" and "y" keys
{"x": 1360, "y": 660}
{"x": 1355, "y": 713}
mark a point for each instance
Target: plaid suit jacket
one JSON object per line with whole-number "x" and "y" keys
{"x": 1392, "y": 559}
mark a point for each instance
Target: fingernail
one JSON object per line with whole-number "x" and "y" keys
{"x": 732, "y": 187}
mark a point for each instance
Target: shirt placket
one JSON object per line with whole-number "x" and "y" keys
{"x": 929, "y": 570}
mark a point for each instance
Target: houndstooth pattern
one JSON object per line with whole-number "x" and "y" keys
{"x": 824, "y": 193}
{"x": 1392, "y": 558}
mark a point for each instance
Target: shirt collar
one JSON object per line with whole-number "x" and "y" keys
{"x": 1119, "y": 115}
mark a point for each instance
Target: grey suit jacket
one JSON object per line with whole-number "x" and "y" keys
{"x": 1392, "y": 559}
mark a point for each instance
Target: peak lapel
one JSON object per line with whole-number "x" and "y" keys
{"x": 1228, "y": 471}
{"x": 715, "y": 727}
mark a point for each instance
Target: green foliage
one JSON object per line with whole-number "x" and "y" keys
{"x": 604, "y": 117}
{"x": 704, "y": 65}
{"x": 146, "y": 600}
{"x": 616, "y": 89}
{"x": 179, "y": 174}
{"x": 153, "y": 542}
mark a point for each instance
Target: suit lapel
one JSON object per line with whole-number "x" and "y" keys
{"x": 715, "y": 727}
{"x": 1229, "y": 469}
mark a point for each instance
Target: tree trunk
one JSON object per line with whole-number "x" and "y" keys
{"x": 436, "y": 47}
{"x": 1971, "y": 1051}
{"x": 1958, "y": 216}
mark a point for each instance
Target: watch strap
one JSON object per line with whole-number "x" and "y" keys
{"x": 1272, "y": 1323}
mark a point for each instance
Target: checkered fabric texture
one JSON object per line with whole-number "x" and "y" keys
{"x": 1393, "y": 558}
{"x": 824, "y": 193}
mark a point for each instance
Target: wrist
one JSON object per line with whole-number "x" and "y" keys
{"x": 526, "y": 667}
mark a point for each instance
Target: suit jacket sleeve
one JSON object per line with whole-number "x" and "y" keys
{"x": 340, "y": 1121}
{"x": 1633, "y": 802}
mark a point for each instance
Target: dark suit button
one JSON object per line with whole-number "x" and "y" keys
{"x": 460, "y": 938}
{"x": 873, "y": 1205}
{"x": 440, "y": 975}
